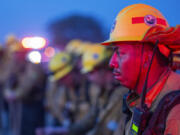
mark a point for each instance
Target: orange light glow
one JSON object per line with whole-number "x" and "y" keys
{"x": 49, "y": 52}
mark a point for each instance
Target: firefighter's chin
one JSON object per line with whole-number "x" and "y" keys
{"x": 122, "y": 81}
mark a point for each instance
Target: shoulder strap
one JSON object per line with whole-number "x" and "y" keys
{"x": 157, "y": 123}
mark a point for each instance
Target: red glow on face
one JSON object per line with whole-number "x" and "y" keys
{"x": 72, "y": 79}
{"x": 126, "y": 63}
{"x": 97, "y": 75}
{"x": 67, "y": 80}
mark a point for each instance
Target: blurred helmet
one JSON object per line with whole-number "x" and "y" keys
{"x": 83, "y": 48}
{"x": 73, "y": 45}
{"x": 13, "y": 44}
{"x": 60, "y": 65}
{"x": 77, "y": 47}
{"x": 11, "y": 39}
{"x": 132, "y": 23}
{"x": 93, "y": 56}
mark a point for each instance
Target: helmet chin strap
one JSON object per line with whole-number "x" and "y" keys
{"x": 144, "y": 91}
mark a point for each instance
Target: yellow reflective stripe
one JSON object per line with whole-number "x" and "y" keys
{"x": 135, "y": 128}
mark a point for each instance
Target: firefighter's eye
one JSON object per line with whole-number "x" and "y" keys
{"x": 120, "y": 52}
{"x": 117, "y": 52}
{"x": 115, "y": 48}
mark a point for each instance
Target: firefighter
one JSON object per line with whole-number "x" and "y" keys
{"x": 66, "y": 97}
{"x": 24, "y": 90}
{"x": 68, "y": 76}
{"x": 12, "y": 45}
{"x": 12, "y": 51}
{"x": 3, "y": 79}
{"x": 101, "y": 118}
{"x": 143, "y": 45}
{"x": 65, "y": 77}
{"x": 108, "y": 99}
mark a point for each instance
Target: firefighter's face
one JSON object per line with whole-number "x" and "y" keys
{"x": 72, "y": 79}
{"x": 67, "y": 80}
{"x": 97, "y": 75}
{"x": 126, "y": 61}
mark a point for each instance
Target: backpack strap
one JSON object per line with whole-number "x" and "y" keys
{"x": 157, "y": 122}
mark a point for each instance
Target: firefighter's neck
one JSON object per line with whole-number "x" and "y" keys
{"x": 155, "y": 73}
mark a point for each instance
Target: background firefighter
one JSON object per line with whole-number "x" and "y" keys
{"x": 24, "y": 81}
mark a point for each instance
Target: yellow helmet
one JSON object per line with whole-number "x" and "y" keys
{"x": 10, "y": 39}
{"x": 73, "y": 45}
{"x": 77, "y": 47}
{"x": 13, "y": 43}
{"x": 94, "y": 55}
{"x": 60, "y": 65}
{"x": 83, "y": 47}
{"x": 132, "y": 23}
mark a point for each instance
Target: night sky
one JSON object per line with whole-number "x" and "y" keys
{"x": 31, "y": 17}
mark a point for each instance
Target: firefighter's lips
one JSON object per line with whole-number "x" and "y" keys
{"x": 116, "y": 74}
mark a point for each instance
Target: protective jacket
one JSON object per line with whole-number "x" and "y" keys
{"x": 172, "y": 83}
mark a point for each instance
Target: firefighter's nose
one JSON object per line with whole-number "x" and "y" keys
{"x": 113, "y": 62}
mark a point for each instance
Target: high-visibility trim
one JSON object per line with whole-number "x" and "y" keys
{"x": 136, "y": 20}
{"x": 154, "y": 92}
{"x": 135, "y": 128}
{"x": 161, "y": 21}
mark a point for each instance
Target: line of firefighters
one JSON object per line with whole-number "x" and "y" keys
{"x": 79, "y": 89}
